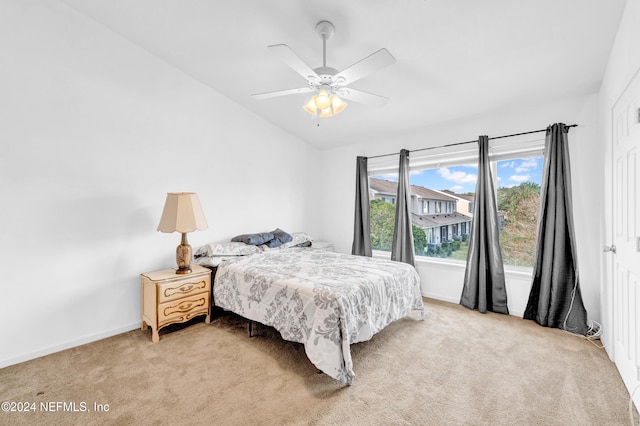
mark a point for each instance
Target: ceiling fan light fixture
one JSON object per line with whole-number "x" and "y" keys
{"x": 323, "y": 101}
{"x": 327, "y": 112}
{"x": 337, "y": 104}
{"x": 323, "y": 105}
{"x": 311, "y": 107}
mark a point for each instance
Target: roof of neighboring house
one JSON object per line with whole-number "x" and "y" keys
{"x": 389, "y": 187}
{"x": 469, "y": 198}
{"x": 423, "y": 192}
{"x": 466, "y": 197}
{"x": 430, "y": 220}
{"x": 384, "y": 186}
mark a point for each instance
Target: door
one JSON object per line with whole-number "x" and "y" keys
{"x": 624, "y": 294}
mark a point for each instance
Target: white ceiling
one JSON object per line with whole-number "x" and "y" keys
{"x": 454, "y": 59}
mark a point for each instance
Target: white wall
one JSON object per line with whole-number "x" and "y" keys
{"x": 445, "y": 281}
{"x": 624, "y": 63}
{"x": 95, "y": 132}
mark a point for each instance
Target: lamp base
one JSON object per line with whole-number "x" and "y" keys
{"x": 184, "y": 254}
{"x": 183, "y": 270}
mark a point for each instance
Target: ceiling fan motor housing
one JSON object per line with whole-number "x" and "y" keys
{"x": 326, "y": 77}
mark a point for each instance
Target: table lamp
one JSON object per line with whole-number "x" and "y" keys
{"x": 182, "y": 213}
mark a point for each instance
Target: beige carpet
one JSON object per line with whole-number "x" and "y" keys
{"x": 456, "y": 367}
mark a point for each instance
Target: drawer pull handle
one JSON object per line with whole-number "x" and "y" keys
{"x": 185, "y": 288}
{"x": 184, "y": 307}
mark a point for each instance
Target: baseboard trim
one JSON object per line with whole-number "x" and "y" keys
{"x": 440, "y": 297}
{"x": 512, "y": 312}
{"x": 68, "y": 345}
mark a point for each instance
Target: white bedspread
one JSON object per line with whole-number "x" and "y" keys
{"x": 322, "y": 299}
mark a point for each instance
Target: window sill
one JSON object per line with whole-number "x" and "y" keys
{"x": 510, "y": 271}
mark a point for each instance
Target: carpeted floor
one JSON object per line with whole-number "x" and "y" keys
{"x": 456, "y": 367}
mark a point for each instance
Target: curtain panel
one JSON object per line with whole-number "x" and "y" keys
{"x": 484, "y": 281}
{"x": 362, "y": 224}
{"x": 555, "y": 299}
{"x": 402, "y": 245}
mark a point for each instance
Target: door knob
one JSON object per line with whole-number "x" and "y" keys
{"x": 611, "y": 248}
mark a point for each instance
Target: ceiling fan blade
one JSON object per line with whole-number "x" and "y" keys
{"x": 294, "y": 61}
{"x": 277, "y": 93}
{"x": 364, "y": 67}
{"x": 362, "y": 97}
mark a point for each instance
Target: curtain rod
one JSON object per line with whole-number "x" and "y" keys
{"x": 463, "y": 143}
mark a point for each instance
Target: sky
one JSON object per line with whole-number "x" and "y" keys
{"x": 462, "y": 179}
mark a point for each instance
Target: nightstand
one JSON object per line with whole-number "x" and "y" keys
{"x": 169, "y": 298}
{"x": 322, "y": 245}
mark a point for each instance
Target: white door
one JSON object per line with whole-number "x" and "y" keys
{"x": 624, "y": 294}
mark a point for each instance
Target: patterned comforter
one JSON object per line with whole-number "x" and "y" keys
{"x": 324, "y": 300}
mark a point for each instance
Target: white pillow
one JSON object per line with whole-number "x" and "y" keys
{"x": 226, "y": 249}
{"x": 298, "y": 238}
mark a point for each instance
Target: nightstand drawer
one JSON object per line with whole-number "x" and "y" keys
{"x": 183, "y": 309}
{"x": 177, "y": 290}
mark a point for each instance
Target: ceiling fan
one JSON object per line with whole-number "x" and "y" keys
{"x": 330, "y": 85}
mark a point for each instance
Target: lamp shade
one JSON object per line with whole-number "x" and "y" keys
{"x": 182, "y": 213}
{"x": 311, "y": 107}
{"x": 323, "y": 100}
{"x": 337, "y": 104}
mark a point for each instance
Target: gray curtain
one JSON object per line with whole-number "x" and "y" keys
{"x": 402, "y": 246}
{"x": 555, "y": 299}
{"x": 361, "y": 229}
{"x": 484, "y": 284}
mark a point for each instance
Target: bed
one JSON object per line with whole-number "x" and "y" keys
{"x": 324, "y": 300}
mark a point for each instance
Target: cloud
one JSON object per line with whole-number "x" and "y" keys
{"x": 393, "y": 176}
{"x": 456, "y": 188}
{"x": 520, "y": 178}
{"x": 509, "y": 164}
{"x": 457, "y": 177}
{"x": 527, "y": 165}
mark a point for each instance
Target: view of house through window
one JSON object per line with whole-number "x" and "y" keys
{"x": 442, "y": 209}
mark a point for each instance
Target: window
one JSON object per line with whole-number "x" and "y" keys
{"x": 441, "y": 227}
{"x": 518, "y": 194}
{"x": 437, "y": 224}
{"x": 442, "y": 201}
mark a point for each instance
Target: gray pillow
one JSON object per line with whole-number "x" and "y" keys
{"x": 279, "y": 238}
{"x": 253, "y": 239}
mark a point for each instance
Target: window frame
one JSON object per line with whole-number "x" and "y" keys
{"x": 512, "y": 148}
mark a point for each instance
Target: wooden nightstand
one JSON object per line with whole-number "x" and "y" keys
{"x": 169, "y": 298}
